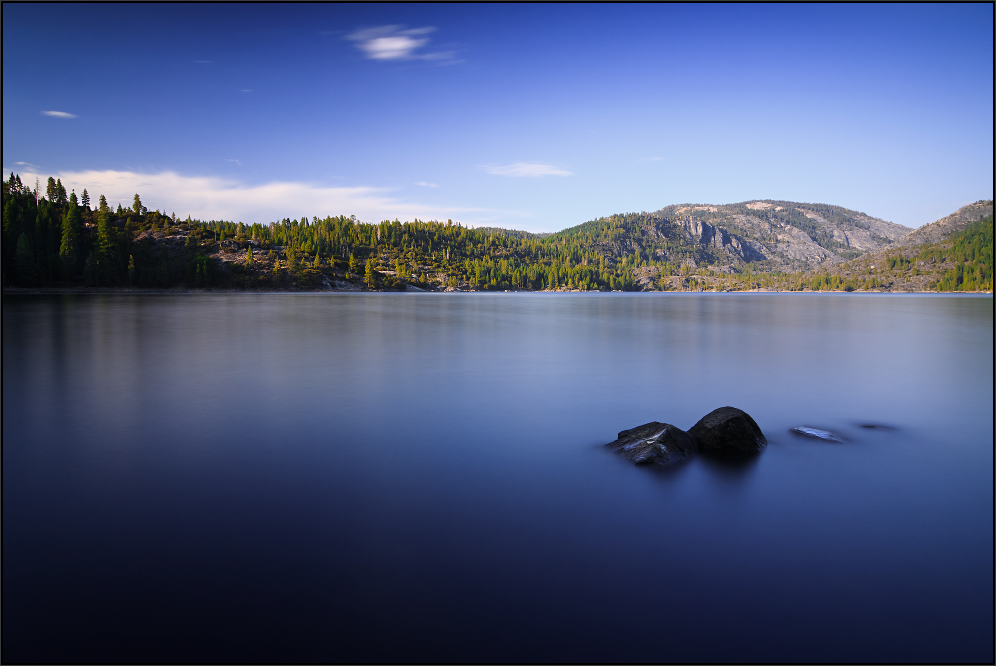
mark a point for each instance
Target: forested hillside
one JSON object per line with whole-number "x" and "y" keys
{"x": 963, "y": 262}
{"x": 51, "y": 239}
{"x": 55, "y": 239}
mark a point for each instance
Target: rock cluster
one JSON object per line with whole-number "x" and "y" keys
{"x": 723, "y": 430}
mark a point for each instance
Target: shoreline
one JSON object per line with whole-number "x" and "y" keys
{"x": 41, "y": 291}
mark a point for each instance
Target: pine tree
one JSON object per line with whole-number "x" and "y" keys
{"x": 370, "y": 276}
{"x": 70, "y": 245}
{"x": 137, "y": 205}
{"x": 105, "y": 244}
{"x": 85, "y": 200}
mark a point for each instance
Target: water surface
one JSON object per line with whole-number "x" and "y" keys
{"x": 420, "y": 477}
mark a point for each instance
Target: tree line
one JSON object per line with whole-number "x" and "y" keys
{"x": 52, "y": 238}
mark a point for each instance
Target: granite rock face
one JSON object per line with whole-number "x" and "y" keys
{"x": 660, "y": 443}
{"x": 728, "y": 430}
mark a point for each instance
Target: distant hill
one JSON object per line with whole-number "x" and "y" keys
{"x": 943, "y": 228}
{"x": 962, "y": 261}
{"x": 769, "y": 234}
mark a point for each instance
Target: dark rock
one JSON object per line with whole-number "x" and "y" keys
{"x": 728, "y": 430}
{"x": 877, "y": 426}
{"x": 654, "y": 442}
{"x": 815, "y": 433}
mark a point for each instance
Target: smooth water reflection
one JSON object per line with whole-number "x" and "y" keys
{"x": 332, "y": 477}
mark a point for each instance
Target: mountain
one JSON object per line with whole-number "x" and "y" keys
{"x": 963, "y": 261}
{"x": 946, "y": 226}
{"x": 772, "y": 235}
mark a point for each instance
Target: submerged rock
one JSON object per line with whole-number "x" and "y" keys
{"x": 728, "y": 430}
{"x": 654, "y": 442}
{"x": 816, "y": 433}
{"x": 877, "y": 426}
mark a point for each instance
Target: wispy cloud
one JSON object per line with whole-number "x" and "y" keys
{"x": 650, "y": 159}
{"x": 29, "y": 164}
{"x": 234, "y": 161}
{"x": 58, "y": 114}
{"x": 393, "y": 42}
{"x": 422, "y": 183}
{"x": 216, "y": 198}
{"x": 245, "y": 90}
{"x": 527, "y": 170}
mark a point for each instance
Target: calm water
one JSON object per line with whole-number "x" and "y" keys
{"x": 333, "y": 477}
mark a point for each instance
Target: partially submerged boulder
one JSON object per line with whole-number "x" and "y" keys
{"x": 816, "y": 433}
{"x": 728, "y": 430}
{"x": 654, "y": 442}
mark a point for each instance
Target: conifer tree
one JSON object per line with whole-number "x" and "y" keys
{"x": 370, "y": 276}
{"x": 105, "y": 244}
{"x": 137, "y": 205}
{"x": 70, "y": 245}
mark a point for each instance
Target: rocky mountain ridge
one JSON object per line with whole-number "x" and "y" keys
{"x": 784, "y": 235}
{"x": 940, "y": 230}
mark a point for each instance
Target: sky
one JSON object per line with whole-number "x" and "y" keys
{"x": 534, "y": 117}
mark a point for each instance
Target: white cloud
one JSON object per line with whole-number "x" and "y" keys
{"x": 390, "y": 42}
{"x": 527, "y": 170}
{"x": 29, "y": 164}
{"x": 58, "y": 114}
{"x": 650, "y": 159}
{"x": 422, "y": 183}
{"x": 216, "y": 198}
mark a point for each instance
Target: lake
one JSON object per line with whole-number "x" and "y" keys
{"x": 421, "y": 477}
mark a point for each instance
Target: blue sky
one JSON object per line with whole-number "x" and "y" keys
{"x": 520, "y": 116}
